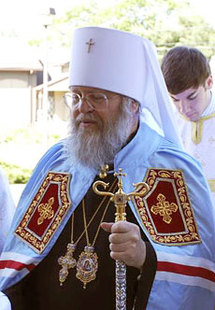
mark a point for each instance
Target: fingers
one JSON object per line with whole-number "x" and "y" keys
{"x": 125, "y": 254}
{"x": 107, "y": 226}
{"x": 126, "y": 244}
{"x": 132, "y": 254}
{"x": 122, "y": 232}
{"x": 119, "y": 227}
{"x": 120, "y": 247}
{"x": 123, "y": 227}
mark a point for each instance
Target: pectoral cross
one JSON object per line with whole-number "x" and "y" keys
{"x": 90, "y": 44}
{"x": 67, "y": 262}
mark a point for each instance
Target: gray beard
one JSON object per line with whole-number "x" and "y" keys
{"x": 97, "y": 147}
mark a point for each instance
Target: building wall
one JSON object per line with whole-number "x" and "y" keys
{"x": 61, "y": 109}
{"x": 17, "y": 79}
{"x": 16, "y": 98}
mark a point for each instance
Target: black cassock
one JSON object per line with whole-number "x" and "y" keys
{"x": 41, "y": 289}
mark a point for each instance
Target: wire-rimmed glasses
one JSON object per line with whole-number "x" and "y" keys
{"x": 96, "y": 101}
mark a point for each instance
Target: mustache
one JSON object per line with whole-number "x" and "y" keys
{"x": 87, "y": 117}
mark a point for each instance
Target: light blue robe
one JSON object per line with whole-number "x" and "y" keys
{"x": 7, "y": 208}
{"x": 178, "y": 291}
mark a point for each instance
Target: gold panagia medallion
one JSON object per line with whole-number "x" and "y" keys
{"x": 87, "y": 265}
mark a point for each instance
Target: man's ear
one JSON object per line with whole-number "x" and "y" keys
{"x": 209, "y": 82}
{"x": 135, "y": 106}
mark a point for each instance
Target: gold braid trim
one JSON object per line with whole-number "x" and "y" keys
{"x": 197, "y": 128}
{"x": 211, "y": 183}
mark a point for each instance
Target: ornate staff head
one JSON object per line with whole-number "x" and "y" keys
{"x": 120, "y": 198}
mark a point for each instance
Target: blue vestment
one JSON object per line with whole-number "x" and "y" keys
{"x": 185, "y": 278}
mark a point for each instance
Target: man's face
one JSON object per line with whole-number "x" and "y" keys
{"x": 89, "y": 119}
{"x": 99, "y": 132}
{"x": 193, "y": 101}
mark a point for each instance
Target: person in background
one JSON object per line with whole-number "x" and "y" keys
{"x": 64, "y": 240}
{"x": 7, "y": 208}
{"x": 188, "y": 77}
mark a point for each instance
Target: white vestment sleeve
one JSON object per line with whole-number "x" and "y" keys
{"x": 4, "y": 302}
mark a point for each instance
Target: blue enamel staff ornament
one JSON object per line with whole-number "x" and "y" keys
{"x": 120, "y": 200}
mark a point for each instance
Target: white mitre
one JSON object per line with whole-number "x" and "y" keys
{"x": 126, "y": 64}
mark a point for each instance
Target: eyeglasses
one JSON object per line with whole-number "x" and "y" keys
{"x": 96, "y": 101}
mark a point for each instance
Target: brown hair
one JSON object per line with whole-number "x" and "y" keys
{"x": 184, "y": 67}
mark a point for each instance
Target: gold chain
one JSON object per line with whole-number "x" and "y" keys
{"x": 86, "y": 226}
{"x": 72, "y": 228}
{"x": 102, "y": 218}
{"x": 88, "y": 255}
{"x": 87, "y": 264}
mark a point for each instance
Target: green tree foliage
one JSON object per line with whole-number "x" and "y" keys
{"x": 165, "y": 22}
{"x": 16, "y": 174}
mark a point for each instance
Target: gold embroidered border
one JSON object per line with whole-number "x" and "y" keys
{"x": 190, "y": 234}
{"x": 197, "y": 128}
{"x": 211, "y": 183}
{"x": 39, "y": 244}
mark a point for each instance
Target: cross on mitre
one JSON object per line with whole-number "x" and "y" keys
{"x": 90, "y": 44}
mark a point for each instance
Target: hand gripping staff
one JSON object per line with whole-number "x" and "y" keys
{"x": 120, "y": 200}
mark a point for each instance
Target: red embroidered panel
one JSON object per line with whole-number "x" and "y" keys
{"x": 46, "y": 211}
{"x": 175, "y": 223}
{"x": 165, "y": 210}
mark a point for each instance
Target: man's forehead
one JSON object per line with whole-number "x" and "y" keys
{"x": 186, "y": 93}
{"x": 85, "y": 89}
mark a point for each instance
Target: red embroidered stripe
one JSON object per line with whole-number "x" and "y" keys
{"x": 186, "y": 270}
{"x": 15, "y": 265}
